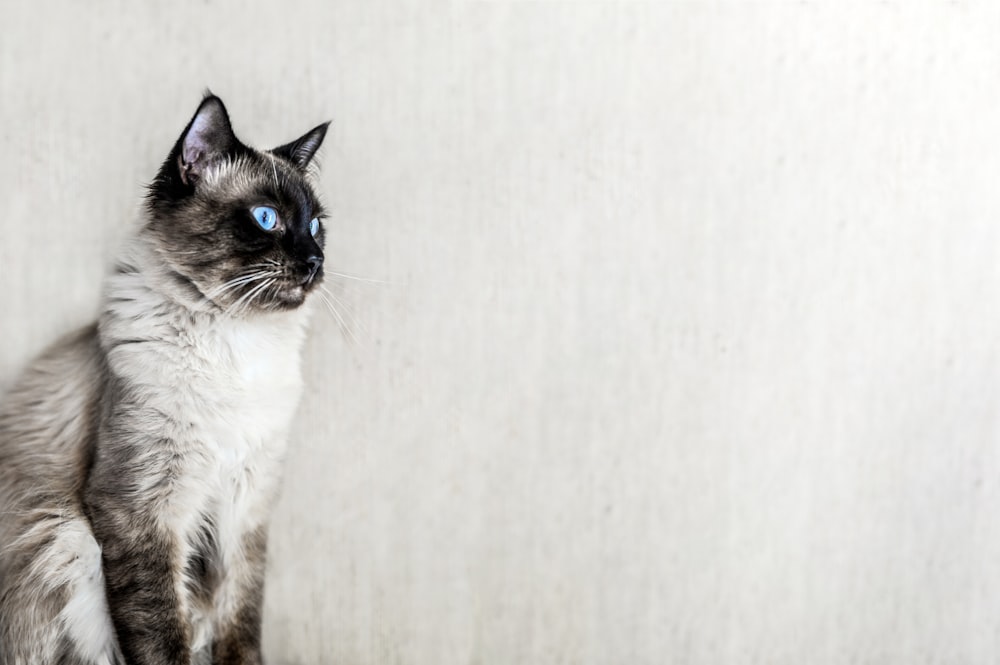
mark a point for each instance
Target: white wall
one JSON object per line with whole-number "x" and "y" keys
{"x": 688, "y": 351}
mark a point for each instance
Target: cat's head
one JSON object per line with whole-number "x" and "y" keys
{"x": 238, "y": 228}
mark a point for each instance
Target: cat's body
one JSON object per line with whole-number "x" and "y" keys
{"x": 139, "y": 457}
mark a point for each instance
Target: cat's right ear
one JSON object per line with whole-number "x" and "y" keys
{"x": 301, "y": 151}
{"x": 207, "y": 139}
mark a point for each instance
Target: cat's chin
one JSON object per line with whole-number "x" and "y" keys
{"x": 289, "y": 298}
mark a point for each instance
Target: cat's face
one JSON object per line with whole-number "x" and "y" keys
{"x": 239, "y": 228}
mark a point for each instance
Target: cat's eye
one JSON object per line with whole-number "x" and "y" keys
{"x": 267, "y": 218}
{"x": 314, "y": 226}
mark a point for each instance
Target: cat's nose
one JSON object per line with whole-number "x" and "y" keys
{"x": 314, "y": 263}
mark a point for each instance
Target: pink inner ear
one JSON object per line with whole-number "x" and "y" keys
{"x": 194, "y": 142}
{"x": 208, "y": 138}
{"x": 192, "y": 151}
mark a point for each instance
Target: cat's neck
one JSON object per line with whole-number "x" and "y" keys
{"x": 145, "y": 298}
{"x": 235, "y": 380}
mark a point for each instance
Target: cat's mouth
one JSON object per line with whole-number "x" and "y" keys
{"x": 262, "y": 291}
{"x": 290, "y": 296}
{"x": 293, "y": 293}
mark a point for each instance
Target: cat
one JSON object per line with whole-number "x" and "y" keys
{"x": 140, "y": 456}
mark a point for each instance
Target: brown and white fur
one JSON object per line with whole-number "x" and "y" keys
{"x": 139, "y": 457}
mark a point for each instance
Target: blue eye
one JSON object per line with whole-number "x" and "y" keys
{"x": 266, "y": 217}
{"x": 314, "y": 226}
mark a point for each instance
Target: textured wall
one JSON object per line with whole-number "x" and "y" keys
{"x": 687, "y": 346}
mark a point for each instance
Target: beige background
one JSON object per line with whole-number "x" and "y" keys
{"x": 687, "y": 346}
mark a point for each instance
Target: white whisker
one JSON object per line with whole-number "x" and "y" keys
{"x": 359, "y": 279}
{"x": 247, "y": 297}
{"x": 275, "y": 171}
{"x": 260, "y": 290}
{"x": 347, "y": 310}
{"x": 342, "y": 324}
{"x": 239, "y": 280}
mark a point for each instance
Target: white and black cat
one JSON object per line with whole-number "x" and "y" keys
{"x": 139, "y": 457}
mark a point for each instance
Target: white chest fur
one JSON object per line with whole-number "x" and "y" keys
{"x": 220, "y": 391}
{"x": 243, "y": 382}
{"x": 233, "y": 384}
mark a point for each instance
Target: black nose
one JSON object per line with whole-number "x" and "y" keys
{"x": 314, "y": 263}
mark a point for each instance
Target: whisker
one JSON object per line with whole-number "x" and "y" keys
{"x": 263, "y": 293}
{"x": 260, "y": 290}
{"x": 239, "y": 280}
{"x": 344, "y": 328}
{"x": 219, "y": 290}
{"x": 245, "y": 273}
{"x": 275, "y": 172}
{"x": 355, "y": 277}
{"x": 246, "y": 297}
{"x": 348, "y": 310}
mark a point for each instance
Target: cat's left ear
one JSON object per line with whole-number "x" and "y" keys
{"x": 301, "y": 151}
{"x": 207, "y": 139}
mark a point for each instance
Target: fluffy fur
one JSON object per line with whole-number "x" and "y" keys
{"x": 139, "y": 457}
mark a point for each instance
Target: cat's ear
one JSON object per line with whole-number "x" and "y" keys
{"x": 208, "y": 138}
{"x": 301, "y": 151}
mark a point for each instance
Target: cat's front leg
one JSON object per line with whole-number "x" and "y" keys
{"x": 140, "y": 571}
{"x": 239, "y": 604}
{"x": 140, "y": 501}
